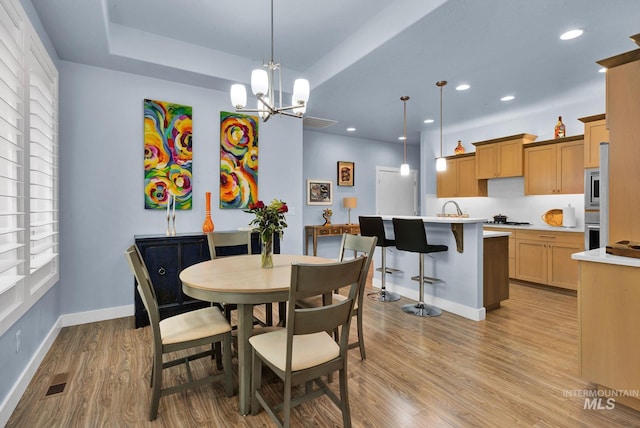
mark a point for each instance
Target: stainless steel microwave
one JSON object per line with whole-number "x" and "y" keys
{"x": 591, "y": 189}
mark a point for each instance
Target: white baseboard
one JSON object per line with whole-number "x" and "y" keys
{"x": 475, "y": 314}
{"x": 97, "y": 315}
{"x": 13, "y": 397}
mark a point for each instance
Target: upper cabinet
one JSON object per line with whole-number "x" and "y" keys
{"x": 501, "y": 157}
{"x": 554, "y": 167}
{"x": 595, "y": 132}
{"x": 459, "y": 180}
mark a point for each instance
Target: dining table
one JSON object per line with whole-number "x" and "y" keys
{"x": 242, "y": 280}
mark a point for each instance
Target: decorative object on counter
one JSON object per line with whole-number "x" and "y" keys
{"x": 346, "y": 173}
{"x": 404, "y": 168}
{"x": 625, "y": 249}
{"x": 167, "y": 154}
{"x": 262, "y": 86}
{"x": 270, "y": 219}
{"x": 441, "y": 163}
{"x": 559, "y": 131}
{"x": 238, "y": 160}
{"x": 319, "y": 192}
{"x": 348, "y": 203}
{"x": 207, "y": 226}
{"x": 553, "y": 217}
{"x": 569, "y": 216}
{"x": 500, "y": 218}
{"x": 459, "y": 148}
{"x": 171, "y": 214}
{"x": 326, "y": 215}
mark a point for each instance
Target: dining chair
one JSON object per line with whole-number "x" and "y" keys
{"x": 222, "y": 244}
{"x": 360, "y": 245}
{"x": 305, "y": 351}
{"x": 188, "y": 330}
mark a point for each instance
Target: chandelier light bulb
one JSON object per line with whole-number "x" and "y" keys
{"x": 441, "y": 164}
{"x": 259, "y": 82}
{"x": 299, "y": 109}
{"x": 300, "y": 91}
{"x": 404, "y": 169}
{"x": 238, "y": 96}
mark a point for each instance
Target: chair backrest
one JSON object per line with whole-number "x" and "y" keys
{"x": 410, "y": 235}
{"x": 310, "y": 280}
{"x": 239, "y": 239}
{"x": 145, "y": 288}
{"x": 373, "y": 226}
{"x": 361, "y": 245}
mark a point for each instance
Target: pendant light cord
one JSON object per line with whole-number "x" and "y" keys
{"x": 441, "y": 85}
{"x": 404, "y": 99}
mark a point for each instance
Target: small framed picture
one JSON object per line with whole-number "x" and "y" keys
{"x": 319, "y": 192}
{"x": 346, "y": 173}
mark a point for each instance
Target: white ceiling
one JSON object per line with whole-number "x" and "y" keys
{"x": 359, "y": 55}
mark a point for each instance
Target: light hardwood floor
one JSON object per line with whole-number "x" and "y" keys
{"x": 510, "y": 370}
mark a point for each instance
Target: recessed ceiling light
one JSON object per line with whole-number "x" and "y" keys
{"x": 401, "y": 138}
{"x": 428, "y": 121}
{"x": 602, "y": 70}
{"x": 571, "y": 34}
{"x": 351, "y": 129}
{"x": 462, "y": 87}
{"x": 507, "y": 98}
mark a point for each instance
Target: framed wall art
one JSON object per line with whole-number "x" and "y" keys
{"x": 346, "y": 173}
{"x": 319, "y": 192}
{"x": 167, "y": 155}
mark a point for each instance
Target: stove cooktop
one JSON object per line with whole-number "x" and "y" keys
{"x": 509, "y": 223}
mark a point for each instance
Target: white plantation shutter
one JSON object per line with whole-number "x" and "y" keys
{"x": 28, "y": 166}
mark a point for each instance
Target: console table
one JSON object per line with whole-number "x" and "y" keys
{"x": 314, "y": 231}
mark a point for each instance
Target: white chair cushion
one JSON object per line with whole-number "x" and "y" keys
{"x": 193, "y": 325}
{"x": 309, "y": 350}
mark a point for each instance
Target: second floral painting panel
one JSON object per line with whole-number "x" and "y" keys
{"x": 238, "y": 160}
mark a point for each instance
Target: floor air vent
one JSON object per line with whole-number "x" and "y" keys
{"x": 58, "y": 383}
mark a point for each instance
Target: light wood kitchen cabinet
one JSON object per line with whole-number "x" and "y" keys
{"x": 623, "y": 111}
{"x": 511, "y": 248}
{"x": 608, "y": 317}
{"x": 459, "y": 180}
{"x": 544, "y": 257}
{"x": 501, "y": 157}
{"x": 595, "y": 132}
{"x": 554, "y": 167}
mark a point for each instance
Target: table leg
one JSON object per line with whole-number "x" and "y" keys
{"x": 245, "y": 324}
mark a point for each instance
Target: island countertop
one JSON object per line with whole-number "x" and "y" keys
{"x": 444, "y": 219}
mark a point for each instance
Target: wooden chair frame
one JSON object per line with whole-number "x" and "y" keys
{"x": 147, "y": 293}
{"x": 308, "y": 280}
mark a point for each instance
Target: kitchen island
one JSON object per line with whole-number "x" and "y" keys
{"x": 461, "y": 267}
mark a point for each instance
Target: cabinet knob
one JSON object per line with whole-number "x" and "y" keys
{"x": 162, "y": 271}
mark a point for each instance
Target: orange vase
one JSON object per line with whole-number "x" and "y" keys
{"x": 459, "y": 148}
{"x": 207, "y": 226}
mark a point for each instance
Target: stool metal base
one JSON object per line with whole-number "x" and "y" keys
{"x": 422, "y": 310}
{"x": 384, "y": 296}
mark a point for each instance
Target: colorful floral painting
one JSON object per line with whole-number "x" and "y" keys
{"x": 167, "y": 154}
{"x": 238, "y": 160}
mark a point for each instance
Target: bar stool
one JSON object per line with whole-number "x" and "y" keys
{"x": 373, "y": 226}
{"x": 411, "y": 236}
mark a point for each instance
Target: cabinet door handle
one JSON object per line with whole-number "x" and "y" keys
{"x": 546, "y": 236}
{"x": 162, "y": 271}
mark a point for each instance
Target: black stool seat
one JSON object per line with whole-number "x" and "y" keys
{"x": 373, "y": 226}
{"x": 411, "y": 235}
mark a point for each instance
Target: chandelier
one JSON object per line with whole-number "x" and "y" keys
{"x": 262, "y": 86}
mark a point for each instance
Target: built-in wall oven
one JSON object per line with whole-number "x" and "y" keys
{"x": 591, "y": 236}
{"x": 592, "y": 189}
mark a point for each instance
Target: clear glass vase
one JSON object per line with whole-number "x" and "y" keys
{"x": 267, "y": 252}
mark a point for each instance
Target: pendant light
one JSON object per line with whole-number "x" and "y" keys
{"x": 404, "y": 168}
{"x": 441, "y": 163}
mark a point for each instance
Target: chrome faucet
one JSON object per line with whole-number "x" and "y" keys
{"x": 454, "y": 203}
